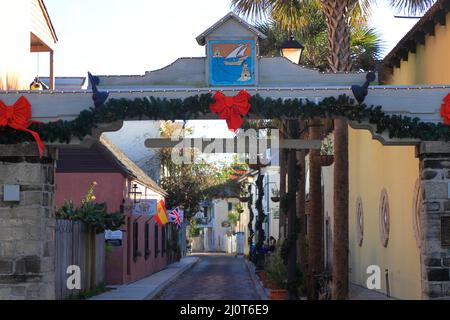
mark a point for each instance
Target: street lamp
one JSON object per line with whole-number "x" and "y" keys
{"x": 292, "y": 50}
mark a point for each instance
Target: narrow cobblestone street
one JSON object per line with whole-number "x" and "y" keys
{"x": 214, "y": 277}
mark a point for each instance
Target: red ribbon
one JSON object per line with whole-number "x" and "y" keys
{"x": 232, "y": 109}
{"x": 18, "y": 117}
{"x": 445, "y": 110}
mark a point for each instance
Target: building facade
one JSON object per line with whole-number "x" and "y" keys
{"x": 33, "y": 33}
{"x": 388, "y": 218}
{"x": 141, "y": 250}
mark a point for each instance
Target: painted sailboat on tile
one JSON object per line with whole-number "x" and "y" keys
{"x": 236, "y": 57}
{"x": 232, "y": 62}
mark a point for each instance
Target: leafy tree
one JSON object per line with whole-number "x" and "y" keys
{"x": 187, "y": 184}
{"x": 233, "y": 218}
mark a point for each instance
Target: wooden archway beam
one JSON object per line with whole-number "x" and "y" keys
{"x": 208, "y": 145}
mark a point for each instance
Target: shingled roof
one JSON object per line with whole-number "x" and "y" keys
{"x": 201, "y": 39}
{"x": 128, "y": 166}
{"x": 425, "y": 26}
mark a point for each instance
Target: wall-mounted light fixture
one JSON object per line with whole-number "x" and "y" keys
{"x": 135, "y": 193}
{"x": 292, "y": 50}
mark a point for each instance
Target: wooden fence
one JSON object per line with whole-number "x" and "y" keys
{"x": 77, "y": 244}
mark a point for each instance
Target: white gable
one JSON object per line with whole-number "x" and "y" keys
{"x": 230, "y": 24}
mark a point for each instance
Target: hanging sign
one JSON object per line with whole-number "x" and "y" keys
{"x": 145, "y": 207}
{"x": 113, "y": 235}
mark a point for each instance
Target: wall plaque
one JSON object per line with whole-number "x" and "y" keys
{"x": 445, "y": 231}
{"x": 232, "y": 62}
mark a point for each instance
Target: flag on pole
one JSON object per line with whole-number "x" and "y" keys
{"x": 175, "y": 216}
{"x": 161, "y": 213}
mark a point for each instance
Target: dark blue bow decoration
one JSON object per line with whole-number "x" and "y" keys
{"x": 360, "y": 92}
{"x": 99, "y": 97}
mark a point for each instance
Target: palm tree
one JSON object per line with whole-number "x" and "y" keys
{"x": 365, "y": 43}
{"x": 339, "y": 15}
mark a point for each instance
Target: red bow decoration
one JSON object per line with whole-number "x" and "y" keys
{"x": 445, "y": 110}
{"x": 18, "y": 117}
{"x": 232, "y": 109}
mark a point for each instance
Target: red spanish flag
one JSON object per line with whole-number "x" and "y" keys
{"x": 161, "y": 213}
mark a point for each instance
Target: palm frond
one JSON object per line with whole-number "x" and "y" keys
{"x": 255, "y": 9}
{"x": 412, "y": 7}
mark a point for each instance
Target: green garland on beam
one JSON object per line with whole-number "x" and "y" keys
{"x": 153, "y": 108}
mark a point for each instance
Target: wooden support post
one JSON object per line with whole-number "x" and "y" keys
{"x": 231, "y": 145}
{"x": 282, "y": 223}
{"x": 302, "y": 254}
{"x": 315, "y": 233}
{"x": 292, "y": 225}
{"x": 341, "y": 192}
{"x": 52, "y": 71}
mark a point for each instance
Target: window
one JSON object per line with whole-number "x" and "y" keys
{"x": 136, "y": 252}
{"x": 359, "y": 221}
{"x": 156, "y": 241}
{"x": 230, "y": 206}
{"x": 384, "y": 218}
{"x": 147, "y": 240}
{"x": 163, "y": 240}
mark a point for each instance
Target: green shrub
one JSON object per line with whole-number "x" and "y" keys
{"x": 276, "y": 270}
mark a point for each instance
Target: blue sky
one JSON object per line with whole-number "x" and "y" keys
{"x": 134, "y": 36}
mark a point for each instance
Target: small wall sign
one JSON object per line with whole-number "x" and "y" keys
{"x": 145, "y": 207}
{"x": 11, "y": 193}
{"x": 113, "y": 235}
{"x": 114, "y": 242}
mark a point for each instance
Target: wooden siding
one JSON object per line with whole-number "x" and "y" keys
{"x": 40, "y": 25}
{"x": 77, "y": 245}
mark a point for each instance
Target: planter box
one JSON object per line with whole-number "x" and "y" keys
{"x": 326, "y": 160}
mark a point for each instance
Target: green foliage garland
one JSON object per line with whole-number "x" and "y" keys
{"x": 153, "y": 108}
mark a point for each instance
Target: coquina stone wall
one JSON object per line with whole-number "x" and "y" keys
{"x": 27, "y": 246}
{"x": 435, "y": 250}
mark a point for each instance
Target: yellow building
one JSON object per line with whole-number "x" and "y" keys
{"x": 385, "y": 194}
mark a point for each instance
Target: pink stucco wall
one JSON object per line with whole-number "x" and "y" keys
{"x": 112, "y": 188}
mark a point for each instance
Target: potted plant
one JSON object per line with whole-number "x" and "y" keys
{"x": 326, "y": 152}
{"x": 275, "y": 195}
{"x": 277, "y": 275}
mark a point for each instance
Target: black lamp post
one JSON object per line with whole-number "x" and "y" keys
{"x": 292, "y": 50}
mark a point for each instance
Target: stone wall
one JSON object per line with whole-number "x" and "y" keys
{"x": 27, "y": 246}
{"x": 435, "y": 256}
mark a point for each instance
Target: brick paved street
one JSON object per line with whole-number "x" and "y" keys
{"x": 214, "y": 277}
